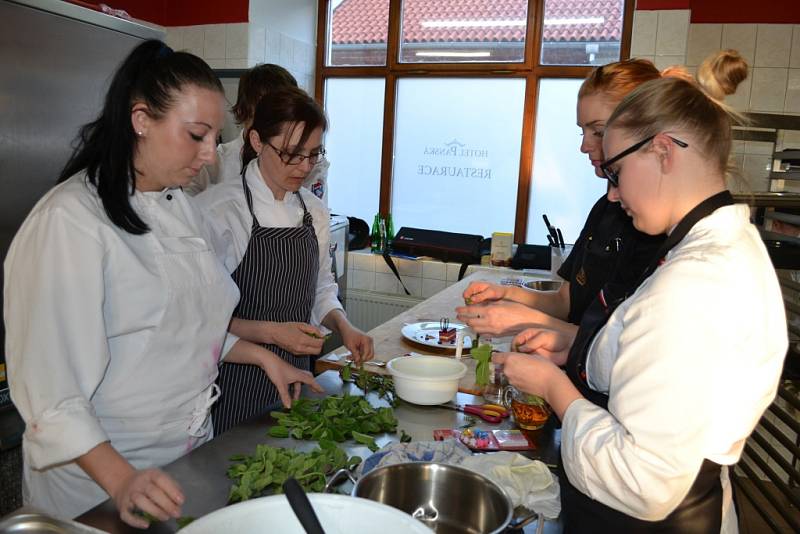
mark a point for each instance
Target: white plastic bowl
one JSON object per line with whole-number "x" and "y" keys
{"x": 338, "y": 514}
{"x": 426, "y": 380}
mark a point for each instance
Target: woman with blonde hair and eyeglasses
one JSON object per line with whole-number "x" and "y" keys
{"x": 277, "y": 235}
{"x": 658, "y": 400}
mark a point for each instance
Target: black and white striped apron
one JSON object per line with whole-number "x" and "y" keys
{"x": 277, "y": 278}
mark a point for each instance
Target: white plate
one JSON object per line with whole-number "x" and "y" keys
{"x": 427, "y": 333}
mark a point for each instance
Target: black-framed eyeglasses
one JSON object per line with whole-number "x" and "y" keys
{"x": 613, "y": 176}
{"x": 296, "y": 159}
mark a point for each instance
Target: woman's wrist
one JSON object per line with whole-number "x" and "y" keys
{"x": 267, "y": 329}
{"x": 336, "y": 321}
{"x": 107, "y": 467}
{"x": 561, "y": 392}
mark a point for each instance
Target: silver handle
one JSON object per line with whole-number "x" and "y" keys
{"x": 337, "y": 477}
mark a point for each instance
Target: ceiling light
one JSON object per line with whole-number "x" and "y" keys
{"x": 454, "y": 54}
{"x": 472, "y": 23}
{"x": 574, "y": 21}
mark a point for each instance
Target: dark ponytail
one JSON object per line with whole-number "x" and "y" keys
{"x": 285, "y": 105}
{"x": 104, "y": 149}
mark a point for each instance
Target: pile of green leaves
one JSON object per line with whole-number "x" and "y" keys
{"x": 334, "y": 419}
{"x": 265, "y": 472}
{"x": 382, "y": 385}
{"x": 482, "y": 355}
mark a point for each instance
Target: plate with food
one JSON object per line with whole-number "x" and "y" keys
{"x": 438, "y": 334}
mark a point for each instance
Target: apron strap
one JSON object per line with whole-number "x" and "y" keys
{"x": 249, "y": 197}
{"x": 699, "y": 212}
{"x": 308, "y": 220}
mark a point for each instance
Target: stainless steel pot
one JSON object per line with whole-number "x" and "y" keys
{"x": 447, "y": 498}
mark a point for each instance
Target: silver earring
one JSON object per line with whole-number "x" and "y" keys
{"x": 139, "y": 134}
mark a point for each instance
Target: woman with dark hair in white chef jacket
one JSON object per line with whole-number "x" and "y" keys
{"x": 116, "y": 307}
{"x": 278, "y": 235}
{"x": 660, "y": 395}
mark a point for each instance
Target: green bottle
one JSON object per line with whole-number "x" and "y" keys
{"x": 375, "y": 236}
{"x": 389, "y": 230}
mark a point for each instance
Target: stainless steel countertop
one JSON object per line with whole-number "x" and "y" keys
{"x": 201, "y": 473}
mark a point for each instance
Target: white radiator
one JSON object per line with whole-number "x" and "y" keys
{"x": 368, "y": 309}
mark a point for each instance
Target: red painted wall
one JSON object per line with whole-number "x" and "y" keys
{"x": 766, "y": 11}
{"x": 184, "y": 12}
{"x": 732, "y": 11}
{"x": 189, "y": 12}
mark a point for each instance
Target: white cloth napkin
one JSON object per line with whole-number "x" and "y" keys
{"x": 528, "y": 483}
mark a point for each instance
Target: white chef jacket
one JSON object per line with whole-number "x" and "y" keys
{"x": 690, "y": 361}
{"x": 230, "y": 160}
{"x": 91, "y": 313}
{"x": 226, "y": 207}
{"x": 228, "y": 168}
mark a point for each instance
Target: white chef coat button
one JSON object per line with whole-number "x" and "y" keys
{"x": 169, "y": 197}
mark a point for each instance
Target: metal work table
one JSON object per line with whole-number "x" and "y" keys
{"x": 202, "y": 472}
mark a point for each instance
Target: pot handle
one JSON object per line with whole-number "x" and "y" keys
{"x": 337, "y": 477}
{"x": 519, "y": 522}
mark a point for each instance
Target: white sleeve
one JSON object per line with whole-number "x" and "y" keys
{"x": 642, "y": 455}
{"x": 326, "y": 299}
{"x": 228, "y": 226}
{"x": 227, "y": 345}
{"x": 56, "y": 344}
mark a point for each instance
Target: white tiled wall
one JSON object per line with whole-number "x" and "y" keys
{"x": 243, "y": 45}
{"x": 772, "y": 51}
{"x": 423, "y": 278}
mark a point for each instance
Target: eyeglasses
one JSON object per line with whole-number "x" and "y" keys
{"x": 613, "y": 176}
{"x": 296, "y": 159}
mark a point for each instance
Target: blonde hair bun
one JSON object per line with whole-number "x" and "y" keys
{"x": 721, "y": 73}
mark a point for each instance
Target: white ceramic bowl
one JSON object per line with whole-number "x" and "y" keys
{"x": 426, "y": 380}
{"x": 338, "y": 514}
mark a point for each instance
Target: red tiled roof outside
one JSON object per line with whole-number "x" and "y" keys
{"x": 366, "y": 21}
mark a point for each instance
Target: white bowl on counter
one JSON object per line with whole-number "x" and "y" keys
{"x": 338, "y": 514}
{"x": 426, "y": 380}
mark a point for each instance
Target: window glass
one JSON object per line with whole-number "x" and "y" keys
{"x": 564, "y": 186}
{"x": 463, "y": 31}
{"x": 456, "y": 154}
{"x": 353, "y": 143}
{"x": 357, "y": 32}
{"x": 582, "y": 32}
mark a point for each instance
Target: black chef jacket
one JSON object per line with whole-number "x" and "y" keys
{"x": 608, "y": 250}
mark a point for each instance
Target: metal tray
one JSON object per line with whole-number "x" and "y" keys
{"x": 36, "y": 523}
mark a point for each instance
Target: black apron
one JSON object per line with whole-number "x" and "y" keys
{"x": 701, "y": 511}
{"x": 277, "y": 278}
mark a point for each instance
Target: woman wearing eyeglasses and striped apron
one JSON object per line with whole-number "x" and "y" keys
{"x": 277, "y": 236}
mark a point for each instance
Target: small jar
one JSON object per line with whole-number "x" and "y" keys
{"x": 493, "y": 391}
{"x": 530, "y": 412}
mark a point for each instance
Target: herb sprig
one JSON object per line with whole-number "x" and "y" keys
{"x": 482, "y": 355}
{"x": 382, "y": 385}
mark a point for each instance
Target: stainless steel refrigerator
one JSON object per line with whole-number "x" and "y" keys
{"x": 56, "y": 60}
